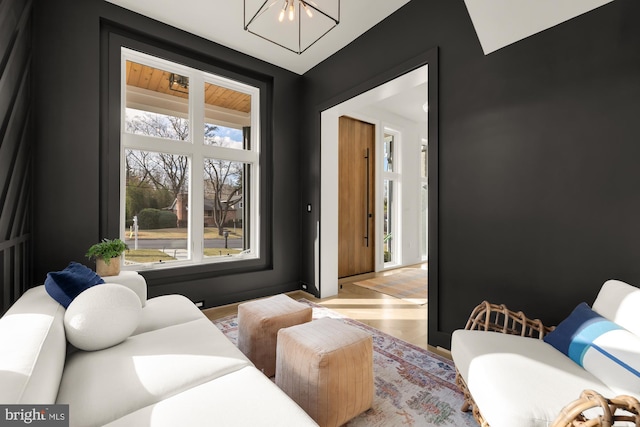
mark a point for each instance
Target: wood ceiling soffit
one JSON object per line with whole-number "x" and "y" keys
{"x": 146, "y": 77}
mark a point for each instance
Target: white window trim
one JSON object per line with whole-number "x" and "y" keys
{"x": 196, "y": 153}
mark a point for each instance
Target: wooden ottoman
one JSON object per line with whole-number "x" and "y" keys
{"x": 326, "y": 366}
{"x": 258, "y": 325}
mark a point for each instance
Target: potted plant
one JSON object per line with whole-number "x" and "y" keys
{"x": 107, "y": 255}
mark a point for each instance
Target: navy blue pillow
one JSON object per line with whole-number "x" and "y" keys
{"x": 63, "y": 286}
{"x": 577, "y": 333}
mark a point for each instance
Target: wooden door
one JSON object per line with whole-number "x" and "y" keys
{"x": 356, "y": 197}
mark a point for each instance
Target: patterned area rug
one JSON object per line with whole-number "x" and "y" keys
{"x": 409, "y": 285}
{"x": 414, "y": 387}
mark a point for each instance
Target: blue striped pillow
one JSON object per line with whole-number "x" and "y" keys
{"x": 601, "y": 347}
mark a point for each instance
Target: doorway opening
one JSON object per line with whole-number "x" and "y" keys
{"x": 398, "y": 110}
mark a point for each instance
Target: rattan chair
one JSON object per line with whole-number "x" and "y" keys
{"x": 498, "y": 318}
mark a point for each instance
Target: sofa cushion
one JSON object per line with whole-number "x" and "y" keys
{"x": 503, "y": 371}
{"x": 619, "y": 302}
{"x": 102, "y": 316}
{"x": 65, "y": 285}
{"x": 133, "y": 281}
{"x": 104, "y": 385}
{"x": 33, "y": 349}
{"x": 224, "y": 402}
{"x": 602, "y": 347}
{"x": 167, "y": 310}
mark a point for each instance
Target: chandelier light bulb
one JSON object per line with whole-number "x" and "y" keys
{"x": 281, "y": 16}
{"x": 307, "y": 9}
{"x": 291, "y": 10}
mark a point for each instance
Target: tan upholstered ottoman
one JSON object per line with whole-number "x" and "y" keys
{"x": 258, "y": 325}
{"x": 326, "y": 366}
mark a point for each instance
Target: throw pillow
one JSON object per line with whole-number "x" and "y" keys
{"x": 102, "y": 316}
{"x": 601, "y": 347}
{"x": 63, "y": 286}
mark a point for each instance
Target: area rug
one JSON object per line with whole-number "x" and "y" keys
{"x": 413, "y": 387}
{"x": 409, "y": 285}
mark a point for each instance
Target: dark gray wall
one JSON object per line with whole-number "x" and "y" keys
{"x": 16, "y": 141}
{"x": 538, "y": 156}
{"x": 538, "y": 201}
{"x": 72, "y": 104}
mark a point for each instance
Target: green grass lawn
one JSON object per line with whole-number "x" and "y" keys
{"x": 147, "y": 255}
{"x": 155, "y": 255}
{"x": 181, "y": 233}
{"x": 221, "y": 251}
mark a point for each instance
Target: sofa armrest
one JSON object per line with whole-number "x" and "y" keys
{"x": 498, "y": 318}
{"x": 608, "y": 411}
{"x": 131, "y": 280}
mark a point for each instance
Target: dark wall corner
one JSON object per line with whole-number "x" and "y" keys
{"x": 16, "y": 150}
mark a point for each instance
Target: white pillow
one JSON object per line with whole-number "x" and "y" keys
{"x": 618, "y": 301}
{"x": 102, "y": 316}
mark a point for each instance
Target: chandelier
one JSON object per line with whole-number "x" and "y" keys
{"x": 295, "y": 25}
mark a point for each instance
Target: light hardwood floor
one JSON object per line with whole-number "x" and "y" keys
{"x": 396, "y": 317}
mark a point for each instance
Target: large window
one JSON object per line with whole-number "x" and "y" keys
{"x": 189, "y": 165}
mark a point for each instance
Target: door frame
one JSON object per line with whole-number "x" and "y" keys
{"x": 326, "y": 259}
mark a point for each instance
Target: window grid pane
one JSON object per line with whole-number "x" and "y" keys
{"x": 387, "y": 222}
{"x": 227, "y": 115}
{"x": 388, "y": 152}
{"x": 156, "y": 207}
{"x": 157, "y": 102}
{"x": 225, "y": 213}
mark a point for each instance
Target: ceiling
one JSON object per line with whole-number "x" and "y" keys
{"x": 221, "y": 21}
{"x": 409, "y": 103}
{"x": 497, "y": 23}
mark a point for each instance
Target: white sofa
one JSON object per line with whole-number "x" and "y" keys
{"x": 514, "y": 380}
{"x": 176, "y": 369}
